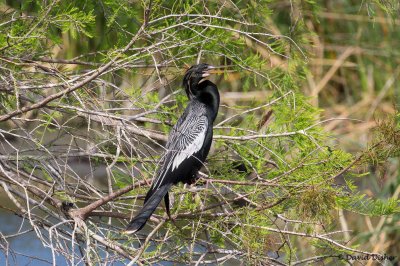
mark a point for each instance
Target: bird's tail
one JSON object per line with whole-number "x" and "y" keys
{"x": 147, "y": 210}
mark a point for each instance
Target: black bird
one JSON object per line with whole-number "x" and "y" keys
{"x": 188, "y": 144}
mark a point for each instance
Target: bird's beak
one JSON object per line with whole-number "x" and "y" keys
{"x": 211, "y": 70}
{"x": 207, "y": 71}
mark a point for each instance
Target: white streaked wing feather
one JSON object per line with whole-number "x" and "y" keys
{"x": 186, "y": 139}
{"x": 192, "y": 147}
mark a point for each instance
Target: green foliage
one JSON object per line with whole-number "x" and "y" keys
{"x": 362, "y": 204}
{"x": 389, "y": 6}
{"x": 76, "y": 22}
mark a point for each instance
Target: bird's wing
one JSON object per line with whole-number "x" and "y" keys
{"x": 186, "y": 139}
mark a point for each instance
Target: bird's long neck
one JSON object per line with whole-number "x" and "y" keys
{"x": 209, "y": 95}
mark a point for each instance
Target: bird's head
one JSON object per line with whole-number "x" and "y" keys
{"x": 194, "y": 76}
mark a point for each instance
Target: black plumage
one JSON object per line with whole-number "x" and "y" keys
{"x": 188, "y": 144}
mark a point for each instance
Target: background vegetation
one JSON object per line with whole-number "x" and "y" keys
{"x": 304, "y": 165}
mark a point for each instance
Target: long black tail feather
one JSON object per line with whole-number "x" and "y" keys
{"x": 147, "y": 210}
{"x": 166, "y": 201}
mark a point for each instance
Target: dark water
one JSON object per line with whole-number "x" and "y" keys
{"x": 27, "y": 249}
{"x": 17, "y": 250}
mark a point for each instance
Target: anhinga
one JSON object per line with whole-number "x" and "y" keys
{"x": 188, "y": 144}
